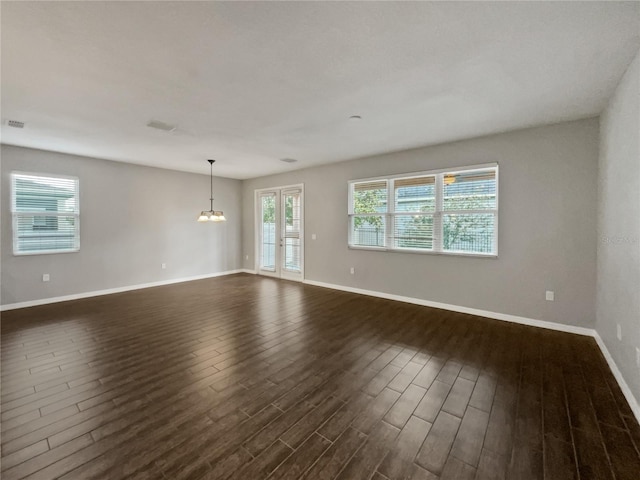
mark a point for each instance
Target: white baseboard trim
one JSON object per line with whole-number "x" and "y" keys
{"x": 628, "y": 394}
{"x": 456, "y": 308}
{"x": 95, "y": 293}
{"x": 247, "y": 270}
{"x": 590, "y": 332}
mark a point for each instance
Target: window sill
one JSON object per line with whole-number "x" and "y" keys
{"x": 423, "y": 252}
{"x": 43, "y": 252}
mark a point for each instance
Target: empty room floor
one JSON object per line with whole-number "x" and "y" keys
{"x": 247, "y": 377}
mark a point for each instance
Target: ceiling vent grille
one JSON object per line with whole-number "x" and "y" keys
{"x": 15, "y": 124}
{"x": 161, "y": 126}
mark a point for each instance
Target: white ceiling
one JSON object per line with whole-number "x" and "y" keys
{"x": 250, "y": 83}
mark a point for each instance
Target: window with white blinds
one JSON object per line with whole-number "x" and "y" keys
{"x": 46, "y": 214}
{"x": 444, "y": 211}
{"x": 369, "y": 213}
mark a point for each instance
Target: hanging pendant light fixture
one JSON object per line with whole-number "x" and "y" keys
{"x": 211, "y": 215}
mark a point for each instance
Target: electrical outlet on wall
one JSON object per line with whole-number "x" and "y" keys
{"x": 352, "y": 270}
{"x": 45, "y": 277}
{"x": 619, "y": 332}
{"x": 164, "y": 266}
{"x": 550, "y": 295}
{"x": 638, "y": 357}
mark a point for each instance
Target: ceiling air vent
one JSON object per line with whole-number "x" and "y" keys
{"x": 161, "y": 126}
{"x": 15, "y": 124}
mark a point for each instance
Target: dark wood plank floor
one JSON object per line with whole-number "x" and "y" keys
{"x": 245, "y": 377}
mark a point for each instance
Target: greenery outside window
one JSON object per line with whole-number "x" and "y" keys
{"x": 444, "y": 211}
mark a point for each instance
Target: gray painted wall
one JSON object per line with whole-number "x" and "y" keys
{"x": 132, "y": 219}
{"x": 547, "y": 238}
{"x": 618, "y": 290}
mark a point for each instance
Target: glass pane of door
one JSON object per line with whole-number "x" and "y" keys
{"x": 291, "y": 207}
{"x": 268, "y": 231}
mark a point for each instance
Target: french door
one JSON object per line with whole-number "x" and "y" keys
{"x": 280, "y": 232}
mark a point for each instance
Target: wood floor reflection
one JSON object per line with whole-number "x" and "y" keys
{"x": 247, "y": 377}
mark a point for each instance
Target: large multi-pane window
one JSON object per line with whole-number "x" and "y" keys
{"x": 45, "y": 213}
{"x": 447, "y": 211}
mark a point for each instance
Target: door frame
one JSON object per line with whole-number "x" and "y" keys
{"x": 280, "y": 272}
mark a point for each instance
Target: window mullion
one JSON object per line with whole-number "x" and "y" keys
{"x": 437, "y": 215}
{"x": 390, "y": 218}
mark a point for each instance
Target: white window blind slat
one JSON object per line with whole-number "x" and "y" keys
{"x": 414, "y": 181}
{"x": 374, "y": 185}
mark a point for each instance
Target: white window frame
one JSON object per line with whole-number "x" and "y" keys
{"x": 17, "y": 214}
{"x": 437, "y": 214}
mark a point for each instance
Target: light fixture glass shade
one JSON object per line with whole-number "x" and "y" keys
{"x": 216, "y": 216}
{"x": 203, "y": 217}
